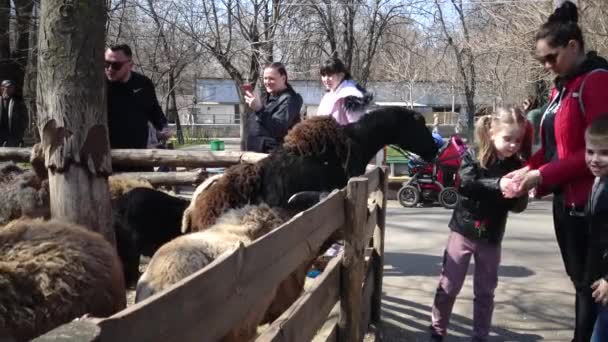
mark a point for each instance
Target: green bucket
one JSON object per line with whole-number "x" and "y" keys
{"x": 217, "y": 145}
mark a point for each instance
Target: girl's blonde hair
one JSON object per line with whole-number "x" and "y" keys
{"x": 486, "y": 153}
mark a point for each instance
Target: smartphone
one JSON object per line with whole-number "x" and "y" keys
{"x": 247, "y": 88}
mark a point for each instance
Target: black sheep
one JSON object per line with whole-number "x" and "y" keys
{"x": 318, "y": 155}
{"x": 144, "y": 220}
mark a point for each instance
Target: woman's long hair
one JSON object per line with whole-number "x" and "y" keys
{"x": 486, "y": 153}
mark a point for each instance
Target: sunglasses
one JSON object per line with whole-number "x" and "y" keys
{"x": 115, "y": 65}
{"x": 550, "y": 58}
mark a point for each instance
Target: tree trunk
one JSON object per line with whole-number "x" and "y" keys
{"x": 72, "y": 111}
{"x": 23, "y": 9}
{"x": 173, "y": 113}
{"x": 349, "y": 33}
{"x": 29, "y": 79}
{"x": 5, "y": 42}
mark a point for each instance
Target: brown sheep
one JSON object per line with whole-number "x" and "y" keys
{"x": 26, "y": 194}
{"x": 232, "y": 190}
{"x": 189, "y": 253}
{"x": 313, "y": 136}
{"x": 187, "y": 217}
{"x": 23, "y": 194}
{"x": 52, "y": 272}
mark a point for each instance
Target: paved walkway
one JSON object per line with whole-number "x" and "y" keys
{"x": 534, "y": 299}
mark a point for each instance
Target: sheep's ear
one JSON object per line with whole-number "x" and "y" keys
{"x": 305, "y": 199}
{"x": 186, "y": 221}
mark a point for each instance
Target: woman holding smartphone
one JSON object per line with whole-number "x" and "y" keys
{"x": 273, "y": 115}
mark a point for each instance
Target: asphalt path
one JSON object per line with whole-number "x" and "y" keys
{"x": 534, "y": 300}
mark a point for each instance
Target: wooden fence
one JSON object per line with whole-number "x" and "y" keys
{"x": 207, "y": 304}
{"x": 156, "y": 157}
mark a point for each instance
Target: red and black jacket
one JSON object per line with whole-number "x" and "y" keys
{"x": 569, "y": 172}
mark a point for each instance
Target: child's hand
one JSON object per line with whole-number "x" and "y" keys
{"x": 600, "y": 291}
{"x": 509, "y": 187}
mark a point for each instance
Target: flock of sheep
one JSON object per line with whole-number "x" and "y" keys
{"x": 52, "y": 272}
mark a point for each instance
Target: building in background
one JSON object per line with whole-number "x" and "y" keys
{"x": 214, "y": 107}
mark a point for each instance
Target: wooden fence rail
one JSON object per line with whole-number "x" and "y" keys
{"x": 156, "y": 157}
{"x": 207, "y": 304}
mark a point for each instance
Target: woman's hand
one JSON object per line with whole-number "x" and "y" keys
{"x": 530, "y": 180}
{"x": 600, "y": 291}
{"x": 252, "y": 101}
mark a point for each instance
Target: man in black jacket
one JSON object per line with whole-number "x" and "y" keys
{"x": 13, "y": 116}
{"x": 279, "y": 112}
{"x": 132, "y": 103}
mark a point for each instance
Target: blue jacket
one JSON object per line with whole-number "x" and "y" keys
{"x": 597, "y": 216}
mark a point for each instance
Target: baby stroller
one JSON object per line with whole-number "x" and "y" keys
{"x": 434, "y": 181}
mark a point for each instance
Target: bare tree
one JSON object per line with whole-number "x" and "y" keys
{"x": 465, "y": 60}
{"x": 72, "y": 115}
{"x": 404, "y": 60}
{"x": 239, "y": 34}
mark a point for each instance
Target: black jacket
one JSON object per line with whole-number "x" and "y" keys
{"x": 13, "y": 121}
{"x": 482, "y": 211}
{"x": 268, "y": 127}
{"x": 597, "y": 216}
{"x": 130, "y": 106}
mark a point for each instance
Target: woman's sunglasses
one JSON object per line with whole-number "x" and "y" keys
{"x": 115, "y": 65}
{"x": 550, "y": 58}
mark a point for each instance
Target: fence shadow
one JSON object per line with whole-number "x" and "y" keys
{"x": 396, "y": 326}
{"x": 413, "y": 264}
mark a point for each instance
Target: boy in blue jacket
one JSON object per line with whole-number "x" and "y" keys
{"x": 596, "y": 156}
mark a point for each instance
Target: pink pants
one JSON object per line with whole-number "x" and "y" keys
{"x": 456, "y": 260}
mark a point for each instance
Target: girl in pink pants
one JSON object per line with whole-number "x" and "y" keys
{"x": 478, "y": 223}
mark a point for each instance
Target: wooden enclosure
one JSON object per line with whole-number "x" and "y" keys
{"x": 338, "y": 306}
{"x": 157, "y": 157}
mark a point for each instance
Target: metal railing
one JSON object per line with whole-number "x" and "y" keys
{"x": 213, "y": 119}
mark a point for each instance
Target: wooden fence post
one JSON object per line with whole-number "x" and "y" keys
{"x": 379, "y": 247}
{"x": 353, "y": 262}
{"x": 72, "y": 116}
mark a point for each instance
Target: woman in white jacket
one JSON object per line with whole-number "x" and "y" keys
{"x": 345, "y": 100}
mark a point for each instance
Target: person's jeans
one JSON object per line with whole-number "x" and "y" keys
{"x": 572, "y": 238}
{"x": 600, "y": 332}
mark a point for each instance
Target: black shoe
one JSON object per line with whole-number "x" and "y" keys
{"x": 435, "y": 337}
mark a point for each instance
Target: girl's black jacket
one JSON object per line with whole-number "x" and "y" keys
{"x": 482, "y": 211}
{"x": 597, "y": 216}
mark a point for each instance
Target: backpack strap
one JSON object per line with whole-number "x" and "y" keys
{"x": 579, "y": 94}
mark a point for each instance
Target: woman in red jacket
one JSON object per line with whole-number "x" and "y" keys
{"x": 580, "y": 94}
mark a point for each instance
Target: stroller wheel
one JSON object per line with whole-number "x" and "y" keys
{"x": 448, "y": 197}
{"x": 408, "y": 196}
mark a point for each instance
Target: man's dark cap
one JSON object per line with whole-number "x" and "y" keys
{"x": 7, "y": 83}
